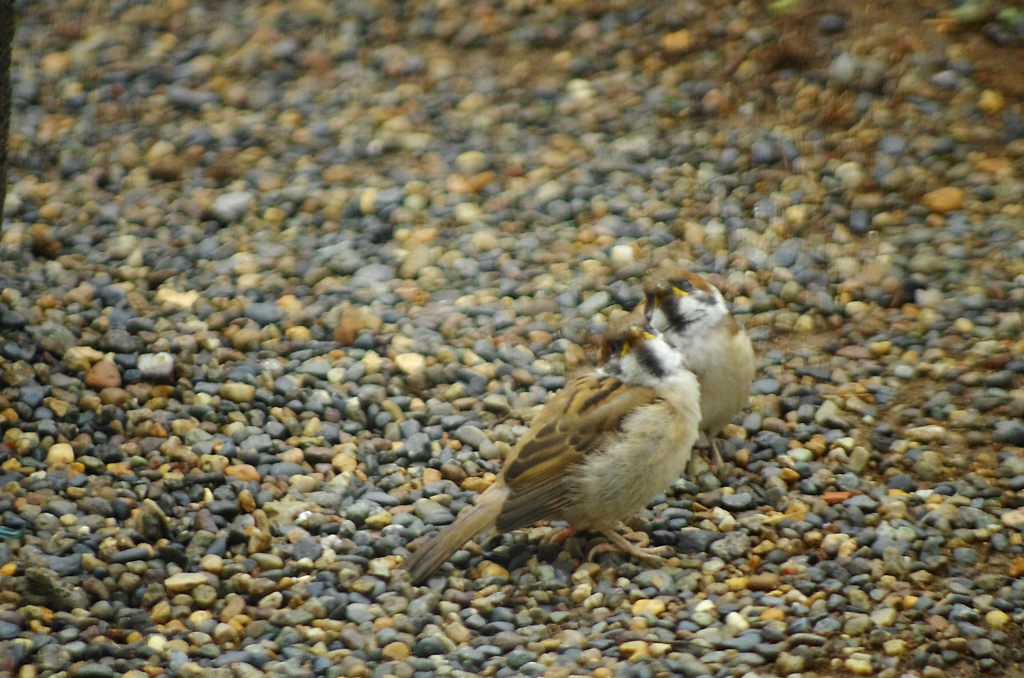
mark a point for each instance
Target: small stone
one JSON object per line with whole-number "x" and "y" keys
{"x": 763, "y": 582}
{"x": 648, "y": 605}
{"x": 991, "y": 101}
{"x": 378, "y": 521}
{"x": 244, "y": 472}
{"x": 156, "y": 367}
{"x": 944, "y": 199}
{"x": 926, "y": 434}
{"x": 894, "y": 648}
{"x": 859, "y": 664}
{"x": 884, "y": 616}
{"x": 103, "y": 374}
{"x": 787, "y": 664}
{"x": 489, "y": 569}
{"x": 395, "y": 651}
{"x": 410, "y": 363}
{"x": 678, "y": 42}
{"x": 59, "y": 454}
{"x": 184, "y": 581}
{"x": 635, "y": 650}
{"x": 231, "y": 207}
{"x": 1009, "y": 432}
{"x": 238, "y": 392}
{"x": 81, "y": 358}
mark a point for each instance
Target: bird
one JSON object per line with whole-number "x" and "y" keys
{"x": 595, "y": 454}
{"x": 693, "y": 317}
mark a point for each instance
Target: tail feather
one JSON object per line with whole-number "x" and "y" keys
{"x": 469, "y": 524}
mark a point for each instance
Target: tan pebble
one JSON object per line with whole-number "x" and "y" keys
{"x": 773, "y": 614}
{"x": 963, "y": 325}
{"x": 246, "y": 337}
{"x": 763, "y": 582}
{"x": 467, "y": 213}
{"x": 483, "y": 240}
{"x": 471, "y": 162}
{"x": 353, "y": 321}
{"x": 224, "y": 633}
{"x": 475, "y": 484}
{"x": 997, "y": 619}
{"x": 81, "y": 358}
{"x": 678, "y": 42}
{"x": 114, "y": 396}
{"x": 1016, "y": 568}
{"x": 246, "y": 501}
{"x": 991, "y": 101}
{"x": 410, "y": 363}
{"x": 103, "y": 374}
{"x": 238, "y": 392}
{"x": 185, "y": 300}
{"x": 1014, "y": 518}
{"x": 880, "y": 348}
{"x": 431, "y": 475}
{"x": 60, "y": 453}
{"x": 859, "y": 665}
{"x": 944, "y": 199}
{"x": 211, "y": 562}
{"x": 184, "y": 581}
{"x": 489, "y": 569}
{"x": 926, "y": 434}
{"x": 55, "y": 63}
{"x": 457, "y": 632}
{"x": 298, "y": 333}
{"x": 736, "y": 583}
{"x": 244, "y": 472}
{"x": 635, "y": 650}
{"x": 395, "y": 651}
{"x": 343, "y": 462}
{"x": 379, "y": 520}
{"x": 49, "y": 211}
{"x": 651, "y": 605}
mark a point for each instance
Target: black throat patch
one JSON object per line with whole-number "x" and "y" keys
{"x": 650, "y": 362}
{"x": 677, "y": 320}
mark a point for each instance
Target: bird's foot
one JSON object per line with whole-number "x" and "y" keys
{"x": 562, "y": 535}
{"x": 617, "y": 542}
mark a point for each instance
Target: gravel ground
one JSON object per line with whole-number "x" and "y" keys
{"x": 283, "y": 282}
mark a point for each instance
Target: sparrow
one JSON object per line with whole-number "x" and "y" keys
{"x": 692, "y": 316}
{"x": 595, "y": 454}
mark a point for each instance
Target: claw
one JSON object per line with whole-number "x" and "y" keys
{"x": 617, "y": 541}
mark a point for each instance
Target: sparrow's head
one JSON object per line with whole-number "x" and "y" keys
{"x": 680, "y": 302}
{"x": 638, "y": 356}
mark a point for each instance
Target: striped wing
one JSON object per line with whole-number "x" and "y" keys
{"x": 574, "y": 423}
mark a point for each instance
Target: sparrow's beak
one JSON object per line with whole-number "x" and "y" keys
{"x": 655, "y": 295}
{"x": 634, "y": 337}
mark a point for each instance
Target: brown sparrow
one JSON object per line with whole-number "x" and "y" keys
{"x": 597, "y": 452}
{"x": 693, "y": 318}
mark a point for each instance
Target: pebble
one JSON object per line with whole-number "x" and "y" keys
{"x": 231, "y": 207}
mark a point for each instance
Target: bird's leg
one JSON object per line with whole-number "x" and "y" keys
{"x": 616, "y": 540}
{"x": 716, "y": 456}
{"x": 562, "y": 535}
